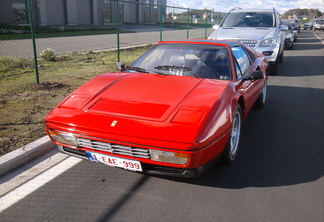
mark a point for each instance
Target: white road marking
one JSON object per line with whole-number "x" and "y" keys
{"x": 30, "y": 170}
{"x": 27, "y": 188}
{"x": 318, "y": 38}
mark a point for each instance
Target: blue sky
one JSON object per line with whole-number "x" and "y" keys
{"x": 226, "y": 5}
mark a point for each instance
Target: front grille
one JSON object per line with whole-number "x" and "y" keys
{"x": 251, "y": 43}
{"x": 114, "y": 148}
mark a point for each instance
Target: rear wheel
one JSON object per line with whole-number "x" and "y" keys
{"x": 231, "y": 149}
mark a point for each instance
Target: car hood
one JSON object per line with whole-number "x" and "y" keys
{"x": 242, "y": 33}
{"x": 124, "y": 107}
{"x": 142, "y": 96}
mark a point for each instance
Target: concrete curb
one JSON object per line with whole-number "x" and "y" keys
{"x": 25, "y": 154}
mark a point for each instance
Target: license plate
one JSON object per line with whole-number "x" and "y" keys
{"x": 127, "y": 164}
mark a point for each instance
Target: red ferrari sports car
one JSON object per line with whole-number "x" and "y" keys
{"x": 175, "y": 111}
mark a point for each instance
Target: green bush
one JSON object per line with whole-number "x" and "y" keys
{"x": 48, "y": 54}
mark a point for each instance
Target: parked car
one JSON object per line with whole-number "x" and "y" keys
{"x": 318, "y": 25}
{"x": 175, "y": 111}
{"x": 297, "y": 21}
{"x": 290, "y": 36}
{"x": 261, "y": 29}
{"x": 294, "y": 25}
{"x": 308, "y": 25}
{"x": 312, "y": 22}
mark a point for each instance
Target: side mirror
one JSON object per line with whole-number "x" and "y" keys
{"x": 255, "y": 75}
{"x": 283, "y": 28}
{"x": 120, "y": 66}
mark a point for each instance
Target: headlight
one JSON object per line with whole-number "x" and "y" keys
{"x": 268, "y": 42}
{"x": 63, "y": 137}
{"x": 289, "y": 35}
{"x": 169, "y": 157}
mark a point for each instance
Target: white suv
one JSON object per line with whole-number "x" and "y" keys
{"x": 259, "y": 29}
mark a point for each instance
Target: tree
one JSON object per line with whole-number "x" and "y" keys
{"x": 302, "y": 13}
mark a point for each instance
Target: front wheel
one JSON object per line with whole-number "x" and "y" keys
{"x": 273, "y": 68}
{"x": 262, "y": 98}
{"x": 231, "y": 149}
{"x": 281, "y": 57}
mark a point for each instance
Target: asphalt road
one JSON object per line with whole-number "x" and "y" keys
{"x": 278, "y": 175}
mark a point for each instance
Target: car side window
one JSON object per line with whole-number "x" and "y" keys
{"x": 242, "y": 59}
{"x": 238, "y": 70}
{"x": 251, "y": 55}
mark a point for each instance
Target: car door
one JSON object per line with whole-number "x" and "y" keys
{"x": 248, "y": 88}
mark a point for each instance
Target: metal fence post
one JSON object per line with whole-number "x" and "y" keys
{"x": 188, "y": 21}
{"x": 117, "y": 29}
{"x": 161, "y": 16}
{"x": 206, "y": 20}
{"x": 30, "y": 11}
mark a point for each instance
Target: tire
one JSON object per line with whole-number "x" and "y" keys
{"x": 281, "y": 57}
{"x": 291, "y": 46}
{"x": 260, "y": 102}
{"x": 273, "y": 69}
{"x": 230, "y": 152}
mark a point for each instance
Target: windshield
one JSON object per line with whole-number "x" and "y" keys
{"x": 249, "y": 19}
{"x": 198, "y": 60}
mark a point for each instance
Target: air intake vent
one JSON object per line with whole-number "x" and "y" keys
{"x": 114, "y": 148}
{"x": 129, "y": 108}
{"x": 251, "y": 43}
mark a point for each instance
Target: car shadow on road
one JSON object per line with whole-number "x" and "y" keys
{"x": 281, "y": 144}
{"x": 290, "y": 66}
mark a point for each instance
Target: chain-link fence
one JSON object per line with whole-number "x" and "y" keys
{"x": 47, "y": 45}
{"x": 32, "y": 29}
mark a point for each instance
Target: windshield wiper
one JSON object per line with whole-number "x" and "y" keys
{"x": 168, "y": 67}
{"x": 138, "y": 69}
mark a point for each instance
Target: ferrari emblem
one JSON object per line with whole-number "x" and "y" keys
{"x": 114, "y": 123}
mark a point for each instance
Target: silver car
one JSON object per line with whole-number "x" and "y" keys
{"x": 318, "y": 25}
{"x": 261, "y": 29}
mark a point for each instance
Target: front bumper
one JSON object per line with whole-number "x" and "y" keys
{"x": 318, "y": 27}
{"x": 289, "y": 42}
{"x": 153, "y": 169}
{"x": 271, "y": 53}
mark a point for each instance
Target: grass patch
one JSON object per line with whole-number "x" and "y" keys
{"x": 24, "y": 104}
